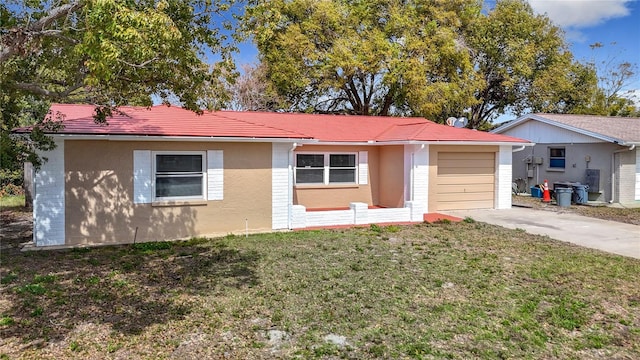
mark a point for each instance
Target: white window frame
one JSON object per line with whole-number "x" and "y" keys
{"x": 203, "y": 171}
{"x": 326, "y": 169}
{"x": 557, "y": 168}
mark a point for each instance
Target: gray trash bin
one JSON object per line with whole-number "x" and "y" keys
{"x": 563, "y": 196}
{"x": 580, "y": 195}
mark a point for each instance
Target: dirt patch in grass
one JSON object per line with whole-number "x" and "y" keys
{"x": 465, "y": 290}
{"x": 624, "y": 215}
{"x": 16, "y": 226}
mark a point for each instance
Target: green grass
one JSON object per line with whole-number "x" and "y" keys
{"x": 465, "y": 290}
{"x": 11, "y": 202}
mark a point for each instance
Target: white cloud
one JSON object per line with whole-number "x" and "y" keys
{"x": 633, "y": 95}
{"x": 581, "y": 13}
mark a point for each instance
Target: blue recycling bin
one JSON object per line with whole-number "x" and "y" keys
{"x": 580, "y": 194}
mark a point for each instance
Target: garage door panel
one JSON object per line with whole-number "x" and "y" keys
{"x": 465, "y": 156}
{"x": 475, "y": 170}
{"x": 464, "y": 188}
{"x": 462, "y": 180}
{"x": 452, "y": 164}
{"x": 464, "y": 205}
{"x": 465, "y": 180}
{"x": 481, "y": 195}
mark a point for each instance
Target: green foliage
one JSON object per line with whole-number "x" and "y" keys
{"x": 152, "y": 246}
{"x": 568, "y": 314}
{"x": 524, "y": 64}
{"x": 108, "y": 53}
{"x": 34, "y": 289}
{"x": 433, "y": 59}
{"x": 6, "y": 321}
{"x": 370, "y": 58}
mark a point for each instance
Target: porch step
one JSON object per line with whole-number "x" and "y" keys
{"x": 434, "y": 217}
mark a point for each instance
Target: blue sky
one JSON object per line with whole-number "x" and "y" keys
{"x": 613, "y": 23}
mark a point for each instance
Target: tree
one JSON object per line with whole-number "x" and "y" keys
{"x": 108, "y": 53}
{"x": 525, "y": 64}
{"x": 251, "y": 91}
{"x": 611, "y": 97}
{"x": 428, "y": 58}
{"x": 376, "y": 57}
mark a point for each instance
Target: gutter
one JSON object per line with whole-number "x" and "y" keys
{"x": 613, "y": 168}
{"x": 111, "y": 137}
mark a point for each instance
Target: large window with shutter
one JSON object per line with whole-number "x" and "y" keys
{"x": 179, "y": 175}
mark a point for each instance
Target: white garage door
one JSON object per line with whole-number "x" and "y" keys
{"x": 465, "y": 180}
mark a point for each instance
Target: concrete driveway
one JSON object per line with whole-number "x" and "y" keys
{"x": 614, "y": 237}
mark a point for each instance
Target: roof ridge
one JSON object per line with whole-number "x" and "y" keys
{"x": 589, "y": 115}
{"x": 259, "y": 124}
{"x": 394, "y": 126}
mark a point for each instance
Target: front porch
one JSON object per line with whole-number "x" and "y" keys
{"x": 358, "y": 213}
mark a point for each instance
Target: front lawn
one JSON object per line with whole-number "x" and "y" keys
{"x": 466, "y": 290}
{"x": 10, "y": 202}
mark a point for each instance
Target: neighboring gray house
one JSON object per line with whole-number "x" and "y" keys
{"x": 596, "y": 150}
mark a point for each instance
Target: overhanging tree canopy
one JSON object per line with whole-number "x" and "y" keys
{"x": 429, "y": 58}
{"x": 111, "y": 53}
{"x": 365, "y": 57}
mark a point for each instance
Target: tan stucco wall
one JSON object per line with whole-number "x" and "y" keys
{"x": 99, "y": 192}
{"x": 340, "y": 196}
{"x": 433, "y": 164}
{"x": 392, "y": 176}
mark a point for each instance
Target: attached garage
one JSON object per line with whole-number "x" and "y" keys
{"x": 463, "y": 179}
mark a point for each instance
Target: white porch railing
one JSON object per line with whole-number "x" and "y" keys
{"x": 358, "y": 213}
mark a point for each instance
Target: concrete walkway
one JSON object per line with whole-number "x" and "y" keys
{"x": 609, "y": 236}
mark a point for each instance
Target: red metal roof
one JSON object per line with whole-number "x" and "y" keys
{"x": 164, "y": 120}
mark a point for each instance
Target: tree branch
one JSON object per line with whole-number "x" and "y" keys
{"x": 58, "y": 35}
{"x": 38, "y": 89}
{"x": 139, "y": 66}
{"x": 15, "y": 40}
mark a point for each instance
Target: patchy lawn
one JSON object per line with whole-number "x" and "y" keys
{"x": 625, "y": 215}
{"x": 466, "y": 290}
{"x": 11, "y": 202}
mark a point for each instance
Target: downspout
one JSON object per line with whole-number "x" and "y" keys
{"x": 290, "y": 182}
{"x": 613, "y": 169}
{"x": 518, "y": 149}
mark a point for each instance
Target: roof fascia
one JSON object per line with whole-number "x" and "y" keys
{"x": 111, "y": 137}
{"x": 542, "y": 119}
{"x": 413, "y": 142}
{"x": 458, "y": 143}
{"x": 181, "y": 138}
{"x": 511, "y": 124}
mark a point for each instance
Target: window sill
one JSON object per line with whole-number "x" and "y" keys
{"x": 179, "y": 203}
{"x": 322, "y": 186}
{"x": 555, "y": 170}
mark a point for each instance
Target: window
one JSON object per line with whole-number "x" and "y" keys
{"x": 179, "y": 175}
{"x": 557, "y": 158}
{"x": 325, "y": 168}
